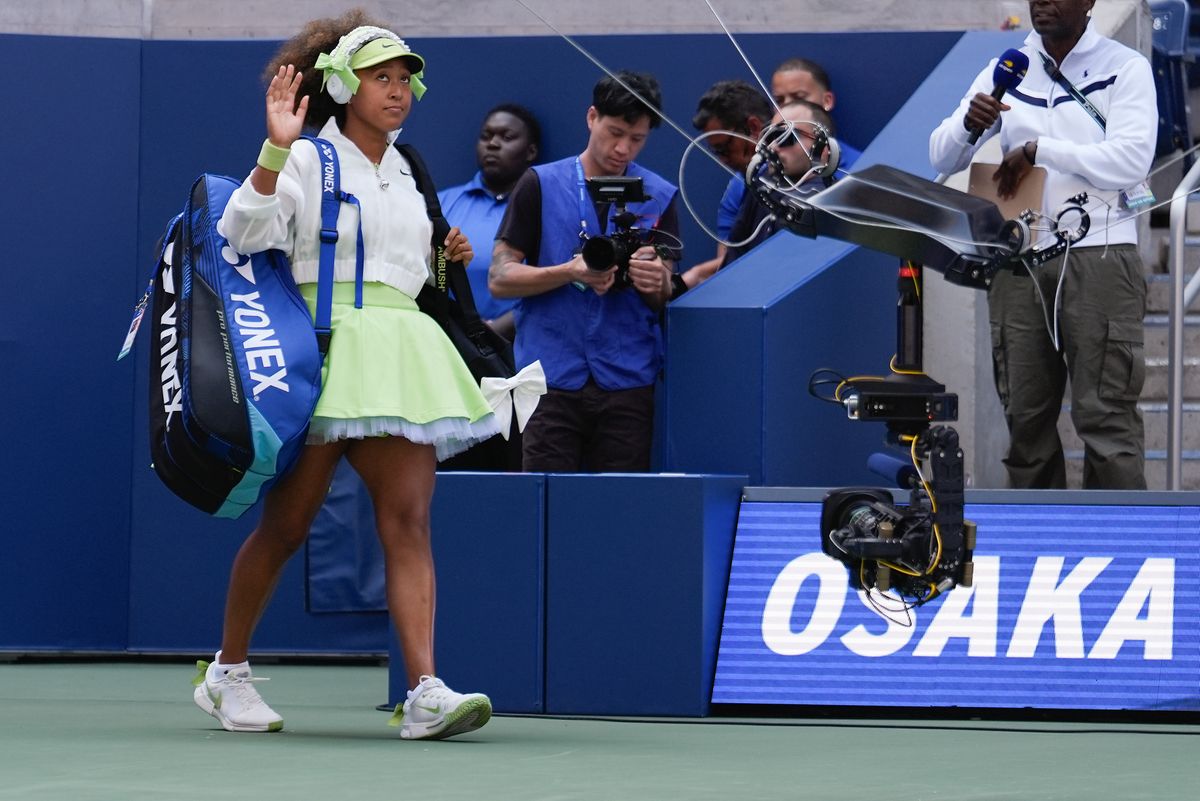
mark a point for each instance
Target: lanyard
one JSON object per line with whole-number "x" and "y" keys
{"x": 1056, "y": 75}
{"x": 584, "y": 201}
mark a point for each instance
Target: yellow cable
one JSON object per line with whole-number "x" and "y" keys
{"x": 916, "y": 286}
{"x": 837, "y": 393}
{"x": 892, "y": 367}
{"x": 937, "y": 533}
{"x": 899, "y": 569}
{"x": 892, "y": 565}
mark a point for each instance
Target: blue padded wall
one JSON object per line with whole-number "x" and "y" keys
{"x": 67, "y": 286}
{"x": 742, "y": 347}
{"x": 179, "y": 570}
{"x": 635, "y": 587}
{"x": 489, "y": 546}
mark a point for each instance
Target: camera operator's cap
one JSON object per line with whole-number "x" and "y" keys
{"x": 363, "y": 47}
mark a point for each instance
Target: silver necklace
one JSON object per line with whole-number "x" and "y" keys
{"x": 383, "y": 184}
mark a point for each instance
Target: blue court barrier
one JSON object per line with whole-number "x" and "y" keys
{"x": 581, "y": 594}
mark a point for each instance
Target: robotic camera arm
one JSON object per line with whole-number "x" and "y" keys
{"x": 964, "y": 237}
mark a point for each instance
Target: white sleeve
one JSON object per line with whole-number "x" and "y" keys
{"x": 1123, "y": 158}
{"x": 948, "y": 148}
{"x": 253, "y": 222}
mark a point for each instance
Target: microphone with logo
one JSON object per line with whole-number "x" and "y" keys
{"x": 1010, "y": 70}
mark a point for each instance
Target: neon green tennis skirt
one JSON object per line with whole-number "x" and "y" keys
{"x": 391, "y": 371}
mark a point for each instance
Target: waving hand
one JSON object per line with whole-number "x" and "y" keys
{"x": 285, "y": 119}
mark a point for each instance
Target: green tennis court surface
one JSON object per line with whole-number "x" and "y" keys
{"x": 127, "y": 731}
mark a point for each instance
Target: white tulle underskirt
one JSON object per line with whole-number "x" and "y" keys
{"x": 448, "y": 435}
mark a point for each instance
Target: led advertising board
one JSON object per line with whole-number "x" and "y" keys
{"x": 1072, "y": 607}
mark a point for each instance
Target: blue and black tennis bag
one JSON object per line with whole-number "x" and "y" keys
{"x": 235, "y": 356}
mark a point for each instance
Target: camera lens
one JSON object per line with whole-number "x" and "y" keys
{"x": 602, "y": 252}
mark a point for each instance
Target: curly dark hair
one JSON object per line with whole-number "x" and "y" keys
{"x": 318, "y": 36}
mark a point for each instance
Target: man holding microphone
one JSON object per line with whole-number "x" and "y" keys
{"x": 1086, "y": 113}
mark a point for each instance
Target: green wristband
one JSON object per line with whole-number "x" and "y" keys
{"x": 272, "y": 157}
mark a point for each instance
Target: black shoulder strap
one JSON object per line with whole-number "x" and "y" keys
{"x": 1056, "y": 75}
{"x": 448, "y": 275}
{"x": 425, "y": 184}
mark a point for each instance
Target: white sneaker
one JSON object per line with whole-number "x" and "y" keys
{"x": 233, "y": 700}
{"x": 433, "y": 711}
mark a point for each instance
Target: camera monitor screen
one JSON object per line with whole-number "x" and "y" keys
{"x": 616, "y": 189}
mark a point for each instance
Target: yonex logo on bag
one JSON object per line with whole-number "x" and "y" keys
{"x": 239, "y": 262}
{"x": 168, "y": 349}
{"x": 328, "y": 184}
{"x": 259, "y": 344}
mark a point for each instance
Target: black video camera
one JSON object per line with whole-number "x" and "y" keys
{"x": 603, "y": 251}
{"x": 920, "y": 550}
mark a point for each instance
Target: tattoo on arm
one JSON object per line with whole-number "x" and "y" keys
{"x": 503, "y": 255}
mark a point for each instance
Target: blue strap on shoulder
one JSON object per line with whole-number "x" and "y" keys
{"x": 332, "y": 198}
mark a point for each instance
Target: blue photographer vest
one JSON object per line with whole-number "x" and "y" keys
{"x": 615, "y": 337}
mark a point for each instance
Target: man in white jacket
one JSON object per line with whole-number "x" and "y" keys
{"x": 1086, "y": 113}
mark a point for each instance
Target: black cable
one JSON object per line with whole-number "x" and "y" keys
{"x": 816, "y": 380}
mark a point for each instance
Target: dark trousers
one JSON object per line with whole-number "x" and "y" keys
{"x": 591, "y": 430}
{"x": 490, "y": 456}
{"x": 1103, "y": 301}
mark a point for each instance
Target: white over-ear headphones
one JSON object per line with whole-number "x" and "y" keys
{"x": 338, "y": 90}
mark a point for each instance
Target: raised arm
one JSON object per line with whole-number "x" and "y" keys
{"x": 285, "y": 121}
{"x": 949, "y": 150}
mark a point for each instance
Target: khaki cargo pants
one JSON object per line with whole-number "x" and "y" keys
{"x": 1103, "y": 301}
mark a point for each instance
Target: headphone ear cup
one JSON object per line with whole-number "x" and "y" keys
{"x": 833, "y": 157}
{"x": 337, "y": 90}
{"x": 752, "y": 168}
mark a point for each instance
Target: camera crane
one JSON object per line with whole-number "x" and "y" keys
{"x": 925, "y": 548}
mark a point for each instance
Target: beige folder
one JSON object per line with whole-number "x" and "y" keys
{"x": 1029, "y": 191}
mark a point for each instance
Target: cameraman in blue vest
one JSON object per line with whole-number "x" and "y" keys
{"x": 597, "y": 332}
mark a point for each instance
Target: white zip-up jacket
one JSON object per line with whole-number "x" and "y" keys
{"x": 396, "y": 226}
{"x": 1078, "y": 155}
